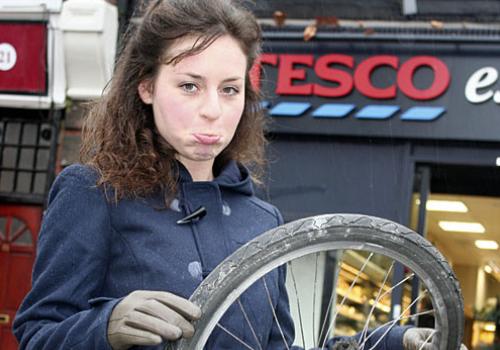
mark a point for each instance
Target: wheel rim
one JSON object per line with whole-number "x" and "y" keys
{"x": 321, "y": 239}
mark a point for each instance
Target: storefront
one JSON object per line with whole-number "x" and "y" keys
{"x": 379, "y": 123}
{"x": 365, "y": 120}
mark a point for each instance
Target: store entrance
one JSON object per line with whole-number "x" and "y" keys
{"x": 457, "y": 209}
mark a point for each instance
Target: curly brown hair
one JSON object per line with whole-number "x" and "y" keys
{"x": 119, "y": 136}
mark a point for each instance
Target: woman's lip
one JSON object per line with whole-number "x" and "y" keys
{"x": 206, "y": 139}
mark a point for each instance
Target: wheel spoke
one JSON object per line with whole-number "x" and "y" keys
{"x": 298, "y": 306}
{"x": 314, "y": 302}
{"x": 375, "y": 330}
{"x": 377, "y": 299}
{"x": 397, "y": 285}
{"x": 361, "y": 346}
{"x": 427, "y": 339}
{"x": 387, "y": 292}
{"x": 337, "y": 308}
{"x": 234, "y": 336}
{"x": 330, "y": 302}
{"x": 427, "y": 312}
{"x": 274, "y": 313}
{"x": 249, "y": 323}
{"x": 391, "y": 324}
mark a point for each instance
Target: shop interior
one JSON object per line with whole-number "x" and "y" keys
{"x": 462, "y": 221}
{"x": 465, "y": 229}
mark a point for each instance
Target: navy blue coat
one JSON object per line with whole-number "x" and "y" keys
{"x": 91, "y": 253}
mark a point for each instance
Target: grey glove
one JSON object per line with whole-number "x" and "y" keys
{"x": 149, "y": 318}
{"x": 347, "y": 344}
{"x": 414, "y": 339}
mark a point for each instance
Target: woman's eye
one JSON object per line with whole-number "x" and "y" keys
{"x": 189, "y": 87}
{"x": 230, "y": 90}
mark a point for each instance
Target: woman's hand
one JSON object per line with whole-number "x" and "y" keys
{"x": 414, "y": 338}
{"x": 149, "y": 318}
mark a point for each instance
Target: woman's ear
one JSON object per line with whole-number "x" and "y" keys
{"x": 145, "y": 92}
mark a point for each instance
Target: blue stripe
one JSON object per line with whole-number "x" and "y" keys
{"x": 333, "y": 110}
{"x": 290, "y": 109}
{"x": 265, "y": 104}
{"x": 377, "y": 112}
{"x": 423, "y": 113}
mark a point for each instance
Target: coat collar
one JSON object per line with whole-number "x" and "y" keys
{"x": 233, "y": 176}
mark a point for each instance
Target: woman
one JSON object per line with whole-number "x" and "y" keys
{"x": 163, "y": 195}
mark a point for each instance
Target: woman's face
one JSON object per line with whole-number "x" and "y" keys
{"x": 198, "y": 102}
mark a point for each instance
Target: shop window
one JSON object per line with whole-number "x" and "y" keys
{"x": 25, "y": 156}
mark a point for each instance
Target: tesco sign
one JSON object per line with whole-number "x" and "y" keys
{"x": 291, "y": 79}
{"x": 419, "y": 90}
{"x": 479, "y": 87}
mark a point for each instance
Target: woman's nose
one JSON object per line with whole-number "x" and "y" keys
{"x": 211, "y": 107}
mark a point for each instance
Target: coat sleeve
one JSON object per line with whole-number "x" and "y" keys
{"x": 61, "y": 311}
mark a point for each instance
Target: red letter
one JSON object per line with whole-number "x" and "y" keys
{"x": 256, "y": 70}
{"x": 342, "y": 78}
{"x": 363, "y": 74}
{"x": 287, "y": 74}
{"x": 439, "y": 85}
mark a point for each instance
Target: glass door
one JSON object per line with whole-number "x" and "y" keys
{"x": 456, "y": 208}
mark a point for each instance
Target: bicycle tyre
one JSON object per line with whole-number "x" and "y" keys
{"x": 318, "y": 233}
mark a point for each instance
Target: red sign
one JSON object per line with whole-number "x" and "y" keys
{"x": 292, "y": 78}
{"x": 23, "y": 57}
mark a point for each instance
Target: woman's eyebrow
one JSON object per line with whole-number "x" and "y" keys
{"x": 232, "y": 79}
{"x": 201, "y": 78}
{"x": 192, "y": 75}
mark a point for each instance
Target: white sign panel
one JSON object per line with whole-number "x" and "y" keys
{"x": 8, "y": 56}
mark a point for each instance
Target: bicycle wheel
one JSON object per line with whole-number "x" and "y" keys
{"x": 316, "y": 235}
